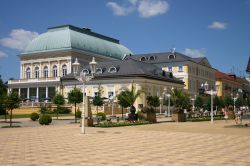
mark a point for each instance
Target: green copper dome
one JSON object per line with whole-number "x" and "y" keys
{"x": 70, "y": 37}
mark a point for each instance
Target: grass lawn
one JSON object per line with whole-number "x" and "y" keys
{"x": 28, "y": 115}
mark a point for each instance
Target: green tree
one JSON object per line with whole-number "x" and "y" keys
{"x": 12, "y": 101}
{"x": 240, "y": 102}
{"x": 198, "y": 103}
{"x": 59, "y": 101}
{"x": 180, "y": 99}
{"x": 74, "y": 97}
{"x": 130, "y": 96}
{"x": 228, "y": 101}
{"x": 3, "y": 95}
{"x": 98, "y": 100}
{"x": 121, "y": 100}
{"x": 153, "y": 101}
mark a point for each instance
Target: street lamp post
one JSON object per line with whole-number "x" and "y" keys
{"x": 168, "y": 96}
{"x": 83, "y": 78}
{"x": 212, "y": 93}
{"x": 234, "y": 99}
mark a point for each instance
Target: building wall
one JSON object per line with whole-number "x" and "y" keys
{"x": 148, "y": 86}
{"x": 193, "y": 75}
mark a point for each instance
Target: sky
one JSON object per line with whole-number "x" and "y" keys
{"x": 217, "y": 29}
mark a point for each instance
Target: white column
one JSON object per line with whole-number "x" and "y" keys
{"x": 19, "y": 91}
{"x": 40, "y": 71}
{"x": 47, "y": 92}
{"x": 21, "y": 71}
{"x": 37, "y": 94}
{"x": 28, "y": 93}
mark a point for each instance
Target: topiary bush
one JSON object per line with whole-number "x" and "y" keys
{"x": 102, "y": 114}
{"x": 45, "y": 119}
{"x": 34, "y": 116}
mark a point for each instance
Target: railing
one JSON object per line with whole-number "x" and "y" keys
{"x": 34, "y": 80}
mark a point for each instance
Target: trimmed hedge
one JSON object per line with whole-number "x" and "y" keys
{"x": 34, "y": 116}
{"x": 45, "y": 119}
{"x": 118, "y": 124}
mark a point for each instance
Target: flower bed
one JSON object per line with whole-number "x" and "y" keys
{"x": 118, "y": 124}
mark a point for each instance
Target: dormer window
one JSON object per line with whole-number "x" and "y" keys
{"x": 112, "y": 70}
{"x": 85, "y": 71}
{"x": 143, "y": 58}
{"x": 171, "y": 56}
{"x": 99, "y": 71}
{"x": 152, "y": 58}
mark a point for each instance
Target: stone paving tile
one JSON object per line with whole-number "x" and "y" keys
{"x": 155, "y": 145}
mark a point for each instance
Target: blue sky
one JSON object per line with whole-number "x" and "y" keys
{"x": 217, "y": 29}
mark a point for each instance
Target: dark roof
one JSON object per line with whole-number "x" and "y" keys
{"x": 164, "y": 57}
{"x": 130, "y": 68}
{"x": 248, "y": 65}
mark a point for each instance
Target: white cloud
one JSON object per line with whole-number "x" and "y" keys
{"x": 195, "y": 53}
{"x": 120, "y": 10}
{"x": 145, "y": 8}
{"x": 218, "y": 25}
{"x": 18, "y": 39}
{"x": 149, "y": 8}
{"x": 3, "y": 55}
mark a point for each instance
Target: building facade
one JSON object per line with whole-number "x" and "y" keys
{"x": 192, "y": 71}
{"x": 46, "y": 67}
{"x": 50, "y": 56}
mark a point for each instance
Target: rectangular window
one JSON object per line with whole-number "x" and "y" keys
{"x": 180, "y": 68}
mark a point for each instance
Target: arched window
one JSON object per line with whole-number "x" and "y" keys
{"x": 112, "y": 70}
{"x": 98, "y": 71}
{"x": 64, "y": 70}
{"x": 28, "y": 73}
{"x": 45, "y": 72}
{"x": 143, "y": 58}
{"x": 171, "y": 56}
{"x": 36, "y": 72}
{"x": 152, "y": 58}
{"x": 86, "y": 71}
{"x": 55, "y": 71}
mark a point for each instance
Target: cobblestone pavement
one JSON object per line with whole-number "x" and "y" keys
{"x": 197, "y": 143}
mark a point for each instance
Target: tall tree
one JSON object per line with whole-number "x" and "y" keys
{"x": 121, "y": 101}
{"x": 74, "y": 97}
{"x": 98, "y": 100}
{"x": 198, "y": 103}
{"x": 3, "y": 95}
{"x": 228, "y": 101}
{"x": 12, "y": 101}
{"x": 59, "y": 101}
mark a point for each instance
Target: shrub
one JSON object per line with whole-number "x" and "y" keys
{"x": 34, "y": 116}
{"x": 102, "y": 114}
{"x": 45, "y": 119}
{"x": 78, "y": 114}
{"x": 62, "y": 110}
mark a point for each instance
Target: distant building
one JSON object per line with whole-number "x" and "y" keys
{"x": 230, "y": 84}
{"x": 192, "y": 71}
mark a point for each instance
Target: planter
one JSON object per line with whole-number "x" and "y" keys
{"x": 179, "y": 116}
{"x": 149, "y": 115}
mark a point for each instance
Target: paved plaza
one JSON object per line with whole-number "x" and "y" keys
{"x": 197, "y": 143}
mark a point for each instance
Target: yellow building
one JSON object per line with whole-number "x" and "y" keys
{"x": 230, "y": 84}
{"x": 192, "y": 71}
